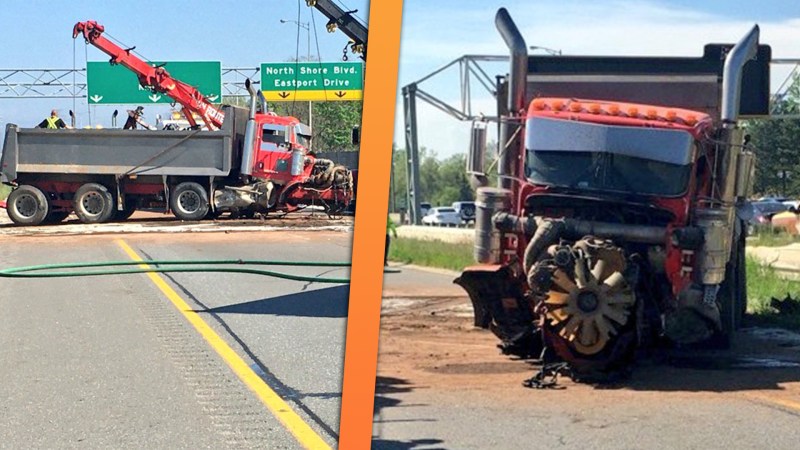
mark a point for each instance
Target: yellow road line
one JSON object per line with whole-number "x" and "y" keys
{"x": 772, "y": 401}
{"x": 304, "y": 434}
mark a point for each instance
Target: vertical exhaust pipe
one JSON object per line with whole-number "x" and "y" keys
{"x": 519, "y": 59}
{"x": 743, "y": 51}
{"x": 717, "y": 221}
{"x": 507, "y": 166}
{"x": 248, "y": 150}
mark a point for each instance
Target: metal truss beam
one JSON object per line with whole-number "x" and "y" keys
{"x": 71, "y": 83}
{"x": 470, "y": 71}
{"x": 42, "y": 83}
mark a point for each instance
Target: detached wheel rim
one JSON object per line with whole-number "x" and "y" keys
{"x": 93, "y": 203}
{"x": 189, "y": 202}
{"x": 26, "y": 206}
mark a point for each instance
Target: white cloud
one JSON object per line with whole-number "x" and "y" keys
{"x": 434, "y": 36}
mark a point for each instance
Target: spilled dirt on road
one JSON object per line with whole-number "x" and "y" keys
{"x": 431, "y": 344}
{"x": 148, "y": 222}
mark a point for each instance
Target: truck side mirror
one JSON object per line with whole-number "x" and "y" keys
{"x": 476, "y": 156}
{"x": 71, "y": 119}
{"x": 355, "y": 137}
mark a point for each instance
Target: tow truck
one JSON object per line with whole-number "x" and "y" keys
{"x": 343, "y": 20}
{"x": 242, "y": 163}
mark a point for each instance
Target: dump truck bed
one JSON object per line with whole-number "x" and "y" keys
{"x": 124, "y": 152}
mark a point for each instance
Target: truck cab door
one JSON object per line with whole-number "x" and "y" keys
{"x": 274, "y": 153}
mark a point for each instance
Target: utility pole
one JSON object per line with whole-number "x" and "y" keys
{"x": 306, "y": 26}
{"x": 392, "y": 200}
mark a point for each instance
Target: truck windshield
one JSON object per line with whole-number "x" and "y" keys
{"x": 610, "y": 158}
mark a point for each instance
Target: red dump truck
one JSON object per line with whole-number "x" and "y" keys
{"x": 615, "y": 223}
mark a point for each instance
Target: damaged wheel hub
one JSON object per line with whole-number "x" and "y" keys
{"x": 587, "y": 304}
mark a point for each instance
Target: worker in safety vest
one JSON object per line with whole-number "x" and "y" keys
{"x": 53, "y": 122}
{"x": 135, "y": 118}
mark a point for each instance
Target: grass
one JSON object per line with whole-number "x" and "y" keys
{"x": 4, "y": 191}
{"x": 771, "y": 237}
{"x": 431, "y": 253}
{"x": 764, "y": 283}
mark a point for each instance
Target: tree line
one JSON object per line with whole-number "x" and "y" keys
{"x": 776, "y": 143}
{"x": 442, "y": 180}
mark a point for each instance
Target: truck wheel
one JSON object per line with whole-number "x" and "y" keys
{"x": 189, "y": 201}
{"x": 27, "y": 205}
{"x": 127, "y": 212}
{"x": 733, "y": 295}
{"x": 93, "y": 203}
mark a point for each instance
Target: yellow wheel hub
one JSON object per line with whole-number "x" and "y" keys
{"x": 589, "y": 309}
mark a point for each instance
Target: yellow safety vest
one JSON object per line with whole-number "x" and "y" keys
{"x": 51, "y": 122}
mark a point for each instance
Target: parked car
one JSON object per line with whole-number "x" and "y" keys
{"x": 772, "y": 198}
{"x": 793, "y": 205}
{"x": 768, "y": 208}
{"x": 424, "y": 208}
{"x": 466, "y": 210}
{"x": 762, "y": 213}
{"x": 442, "y": 215}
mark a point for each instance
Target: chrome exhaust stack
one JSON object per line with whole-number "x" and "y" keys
{"x": 248, "y": 155}
{"x": 740, "y": 54}
{"x": 507, "y": 166}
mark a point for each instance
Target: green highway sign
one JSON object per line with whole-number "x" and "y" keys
{"x": 312, "y": 81}
{"x": 108, "y": 83}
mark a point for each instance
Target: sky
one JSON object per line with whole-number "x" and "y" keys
{"x": 245, "y": 33}
{"x": 435, "y": 33}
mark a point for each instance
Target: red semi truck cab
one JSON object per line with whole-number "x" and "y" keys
{"x": 616, "y": 223}
{"x": 277, "y": 138}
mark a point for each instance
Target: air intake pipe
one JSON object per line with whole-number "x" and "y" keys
{"x": 507, "y": 166}
{"x": 248, "y": 150}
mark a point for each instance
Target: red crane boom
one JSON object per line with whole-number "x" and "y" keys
{"x": 155, "y": 78}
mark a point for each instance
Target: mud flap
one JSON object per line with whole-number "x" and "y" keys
{"x": 499, "y": 304}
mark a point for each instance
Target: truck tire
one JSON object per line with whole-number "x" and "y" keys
{"x": 27, "y": 205}
{"x": 733, "y": 294}
{"x": 127, "y": 212}
{"x": 189, "y": 201}
{"x": 93, "y": 203}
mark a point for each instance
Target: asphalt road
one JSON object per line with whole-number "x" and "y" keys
{"x": 111, "y": 362}
{"x": 442, "y": 384}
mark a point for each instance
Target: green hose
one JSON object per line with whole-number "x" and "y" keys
{"x": 51, "y": 270}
